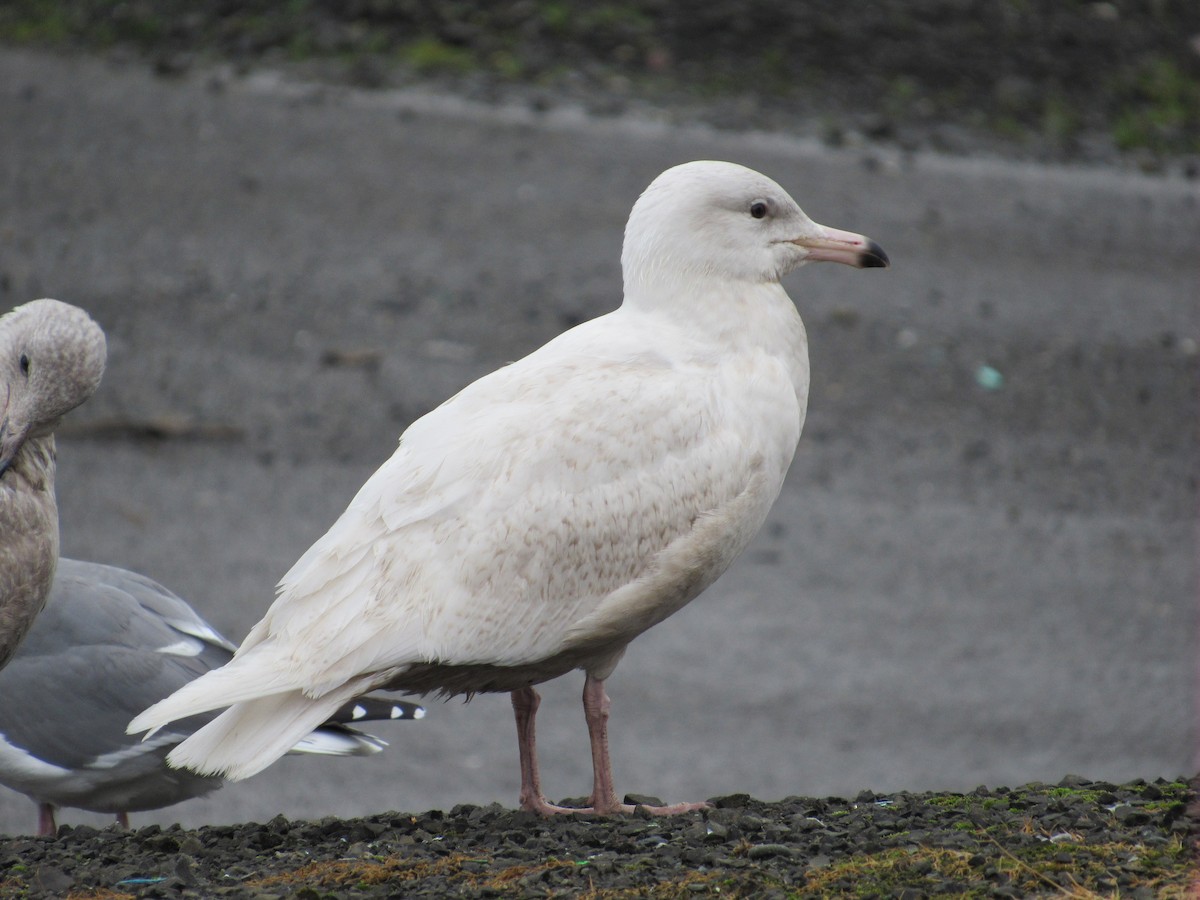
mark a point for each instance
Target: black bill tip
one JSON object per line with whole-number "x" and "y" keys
{"x": 873, "y": 257}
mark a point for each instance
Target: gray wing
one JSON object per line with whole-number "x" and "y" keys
{"x": 108, "y": 644}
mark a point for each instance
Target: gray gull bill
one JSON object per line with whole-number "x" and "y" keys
{"x": 550, "y": 512}
{"x": 52, "y": 357}
{"x": 109, "y": 643}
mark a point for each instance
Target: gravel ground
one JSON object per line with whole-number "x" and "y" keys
{"x": 1077, "y": 839}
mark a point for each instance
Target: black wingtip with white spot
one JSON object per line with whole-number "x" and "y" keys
{"x": 377, "y": 709}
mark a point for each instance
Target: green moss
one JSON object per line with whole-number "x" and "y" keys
{"x": 1060, "y": 121}
{"x": 903, "y": 93}
{"x": 35, "y": 22}
{"x": 430, "y": 55}
{"x": 1032, "y": 870}
{"x": 1090, "y": 796}
{"x": 555, "y": 15}
{"x": 949, "y": 801}
{"x": 1010, "y": 127}
{"x": 506, "y": 64}
{"x": 626, "y": 17}
{"x": 300, "y": 47}
{"x": 1160, "y": 105}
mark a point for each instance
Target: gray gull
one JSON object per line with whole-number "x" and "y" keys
{"x": 552, "y": 511}
{"x": 108, "y": 644}
{"x": 52, "y": 357}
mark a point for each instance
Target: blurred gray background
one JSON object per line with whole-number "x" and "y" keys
{"x": 982, "y": 569}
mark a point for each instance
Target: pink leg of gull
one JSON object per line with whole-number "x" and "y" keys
{"x": 604, "y": 796}
{"x": 525, "y": 704}
{"x": 46, "y": 824}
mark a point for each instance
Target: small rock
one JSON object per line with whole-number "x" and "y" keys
{"x": 365, "y": 831}
{"x": 1131, "y": 815}
{"x": 766, "y": 851}
{"x": 54, "y": 882}
{"x": 191, "y": 845}
{"x": 162, "y": 843}
{"x": 185, "y": 872}
{"x": 173, "y": 65}
{"x": 643, "y": 800}
{"x": 716, "y": 831}
{"x": 752, "y": 823}
{"x": 731, "y": 801}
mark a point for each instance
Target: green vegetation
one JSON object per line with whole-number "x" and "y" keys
{"x": 1065, "y": 870}
{"x": 429, "y": 55}
{"x": 1161, "y": 108}
{"x": 1019, "y": 71}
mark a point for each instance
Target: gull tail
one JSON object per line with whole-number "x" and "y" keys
{"x": 244, "y": 678}
{"x": 252, "y": 734}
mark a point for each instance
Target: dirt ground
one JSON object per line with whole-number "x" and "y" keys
{"x": 983, "y": 565}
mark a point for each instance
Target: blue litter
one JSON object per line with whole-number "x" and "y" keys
{"x": 988, "y": 378}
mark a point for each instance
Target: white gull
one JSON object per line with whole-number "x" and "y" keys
{"x": 552, "y": 511}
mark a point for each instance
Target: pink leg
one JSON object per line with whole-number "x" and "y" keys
{"x": 595, "y": 710}
{"x": 123, "y": 819}
{"x": 525, "y": 705}
{"x": 604, "y": 794}
{"x": 46, "y": 824}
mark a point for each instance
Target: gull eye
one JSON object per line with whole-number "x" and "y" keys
{"x": 758, "y": 209}
{"x": 24, "y": 365}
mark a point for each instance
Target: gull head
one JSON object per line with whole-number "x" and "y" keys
{"x": 52, "y": 357}
{"x": 719, "y": 220}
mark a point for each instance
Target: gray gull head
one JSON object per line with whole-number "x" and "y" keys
{"x": 52, "y": 357}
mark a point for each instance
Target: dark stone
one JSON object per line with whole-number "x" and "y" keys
{"x": 52, "y": 880}
{"x": 765, "y": 851}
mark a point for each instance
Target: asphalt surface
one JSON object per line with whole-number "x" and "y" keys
{"x": 982, "y": 569}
